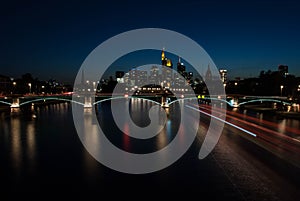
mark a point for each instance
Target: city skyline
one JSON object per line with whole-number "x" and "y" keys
{"x": 53, "y": 39}
{"x": 174, "y": 98}
{"x": 152, "y": 56}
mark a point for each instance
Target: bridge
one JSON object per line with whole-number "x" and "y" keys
{"x": 83, "y": 100}
{"x": 16, "y": 102}
{"x": 165, "y": 101}
{"x": 239, "y": 101}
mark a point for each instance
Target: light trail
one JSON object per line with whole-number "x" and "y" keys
{"x": 266, "y": 130}
{"x": 272, "y": 137}
{"x": 264, "y": 122}
{"x": 224, "y": 121}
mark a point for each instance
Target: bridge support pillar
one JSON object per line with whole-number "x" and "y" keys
{"x": 15, "y": 106}
{"x": 15, "y": 103}
{"x": 164, "y": 102}
{"x": 15, "y": 111}
{"x": 88, "y": 102}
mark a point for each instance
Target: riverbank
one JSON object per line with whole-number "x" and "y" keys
{"x": 282, "y": 114}
{"x": 291, "y": 115}
{"x": 259, "y": 108}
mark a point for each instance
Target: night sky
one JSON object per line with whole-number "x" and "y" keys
{"x": 52, "y": 39}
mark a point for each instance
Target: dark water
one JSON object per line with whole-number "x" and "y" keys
{"x": 43, "y": 158}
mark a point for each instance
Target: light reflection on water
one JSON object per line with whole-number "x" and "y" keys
{"x": 22, "y": 137}
{"x": 137, "y": 105}
{"x": 20, "y": 133}
{"x": 126, "y": 138}
{"x": 16, "y": 146}
{"x": 271, "y": 119}
{"x": 31, "y": 140}
{"x": 139, "y": 109}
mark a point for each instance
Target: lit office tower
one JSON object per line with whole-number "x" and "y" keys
{"x": 142, "y": 77}
{"x": 167, "y": 73}
{"x": 189, "y": 76}
{"x": 165, "y": 61}
{"x": 223, "y": 74}
{"x": 154, "y": 77}
{"x": 133, "y": 74}
{"x": 180, "y": 67}
{"x": 138, "y": 77}
{"x": 120, "y": 76}
{"x": 163, "y": 57}
{"x": 127, "y": 79}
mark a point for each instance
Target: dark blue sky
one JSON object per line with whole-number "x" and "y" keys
{"x": 51, "y": 39}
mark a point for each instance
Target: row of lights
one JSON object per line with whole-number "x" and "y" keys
{"x": 281, "y": 87}
{"x": 94, "y": 86}
{"x": 153, "y": 89}
{"x": 235, "y": 84}
{"x": 29, "y": 85}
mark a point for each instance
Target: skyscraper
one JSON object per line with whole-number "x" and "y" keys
{"x": 208, "y": 75}
{"x": 167, "y": 74}
{"x": 180, "y": 67}
{"x": 154, "y": 77}
{"x": 82, "y": 77}
{"x": 119, "y": 76}
{"x": 223, "y": 74}
{"x": 138, "y": 77}
{"x": 165, "y": 61}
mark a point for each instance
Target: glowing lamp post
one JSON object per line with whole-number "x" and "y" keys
{"x": 281, "y": 87}
{"x": 14, "y": 86}
{"x": 29, "y": 84}
{"x": 94, "y": 86}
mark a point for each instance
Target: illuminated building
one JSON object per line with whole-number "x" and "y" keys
{"x": 208, "y": 75}
{"x": 154, "y": 77}
{"x": 120, "y": 76}
{"x": 189, "y": 76}
{"x": 167, "y": 73}
{"x": 138, "y": 77}
{"x": 223, "y": 74}
{"x": 165, "y": 61}
{"x": 283, "y": 70}
{"x": 163, "y": 57}
{"x": 180, "y": 67}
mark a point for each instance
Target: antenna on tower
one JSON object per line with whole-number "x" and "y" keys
{"x": 82, "y": 76}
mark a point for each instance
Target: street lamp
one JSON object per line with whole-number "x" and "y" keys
{"x": 94, "y": 86}
{"x": 281, "y": 87}
{"x": 29, "y": 84}
{"x": 43, "y": 89}
{"x": 14, "y": 87}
